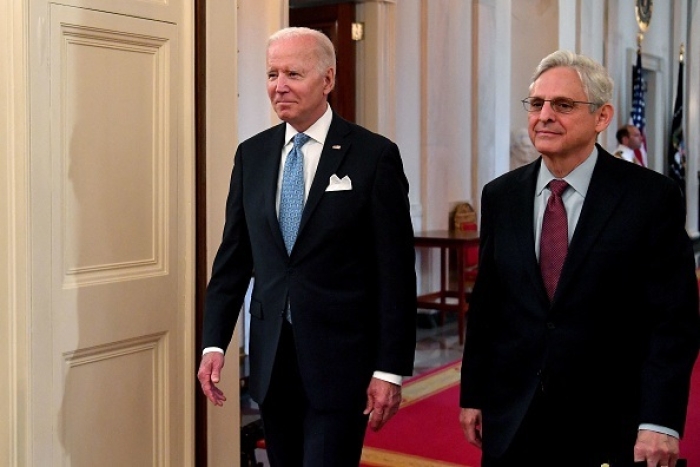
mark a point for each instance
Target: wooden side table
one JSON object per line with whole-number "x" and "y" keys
{"x": 447, "y": 299}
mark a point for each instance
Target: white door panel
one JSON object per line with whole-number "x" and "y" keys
{"x": 160, "y": 10}
{"x": 109, "y": 244}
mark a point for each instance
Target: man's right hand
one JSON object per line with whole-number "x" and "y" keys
{"x": 470, "y": 419}
{"x": 208, "y": 376}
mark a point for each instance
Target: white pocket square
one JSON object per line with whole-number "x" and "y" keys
{"x": 338, "y": 184}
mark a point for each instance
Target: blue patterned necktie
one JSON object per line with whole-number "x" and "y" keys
{"x": 292, "y": 196}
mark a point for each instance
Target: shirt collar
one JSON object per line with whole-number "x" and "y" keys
{"x": 317, "y": 131}
{"x": 578, "y": 179}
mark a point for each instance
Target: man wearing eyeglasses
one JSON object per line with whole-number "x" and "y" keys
{"x": 583, "y": 324}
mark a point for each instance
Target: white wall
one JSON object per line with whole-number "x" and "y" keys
{"x": 409, "y": 108}
{"x": 543, "y": 38}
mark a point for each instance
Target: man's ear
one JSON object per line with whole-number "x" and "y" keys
{"x": 605, "y": 115}
{"x": 329, "y": 79}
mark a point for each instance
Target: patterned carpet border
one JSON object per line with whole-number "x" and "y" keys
{"x": 422, "y": 387}
{"x": 376, "y": 457}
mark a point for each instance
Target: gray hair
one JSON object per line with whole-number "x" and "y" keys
{"x": 597, "y": 83}
{"x": 324, "y": 50}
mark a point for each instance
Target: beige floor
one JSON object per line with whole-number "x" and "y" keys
{"x": 436, "y": 345}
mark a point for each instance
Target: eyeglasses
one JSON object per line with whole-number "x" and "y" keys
{"x": 562, "y": 105}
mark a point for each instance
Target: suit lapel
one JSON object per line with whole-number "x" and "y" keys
{"x": 523, "y": 227}
{"x": 272, "y": 152}
{"x": 334, "y": 151}
{"x": 604, "y": 194}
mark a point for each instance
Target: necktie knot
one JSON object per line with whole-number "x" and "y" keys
{"x": 557, "y": 187}
{"x": 300, "y": 139}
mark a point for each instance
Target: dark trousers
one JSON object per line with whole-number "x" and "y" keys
{"x": 296, "y": 433}
{"x": 547, "y": 438}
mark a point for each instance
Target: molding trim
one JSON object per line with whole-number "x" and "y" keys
{"x": 15, "y": 449}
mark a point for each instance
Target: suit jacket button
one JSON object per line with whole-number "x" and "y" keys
{"x": 550, "y": 325}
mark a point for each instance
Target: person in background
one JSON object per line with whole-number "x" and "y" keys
{"x": 591, "y": 365}
{"x": 630, "y": 139}
{"x": 521, "y": 149}
{"x": 332, "y": 312}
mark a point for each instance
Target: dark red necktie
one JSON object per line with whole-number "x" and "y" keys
{"x": 554, "y": 238}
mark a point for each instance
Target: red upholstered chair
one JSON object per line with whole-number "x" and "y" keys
{"x": 462, "y": 218}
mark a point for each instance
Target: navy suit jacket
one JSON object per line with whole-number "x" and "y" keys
{"x": 350, "y": 277}
{"x": 616, "y": 346}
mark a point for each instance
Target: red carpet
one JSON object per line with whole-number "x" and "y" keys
{"x": 690, "y": 444}
{"x": 426, "y": 432}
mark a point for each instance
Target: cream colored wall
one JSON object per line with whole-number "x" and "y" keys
{"x": 409, "y": 105}
{"x": 223, "y": 422}
{"x": 448, "y": 125}
{"x": 491, "y": 98}
{"x": 256, "y": 21}
{"x": 237, "y": 108}
{"x": 14, "y": 283}
{"x": 542, "y": 33}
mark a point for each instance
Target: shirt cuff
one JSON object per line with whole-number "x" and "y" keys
{"x": 660, "y": 429}
{"x": 389, "y": 377}
{"x": 212, "y": 349}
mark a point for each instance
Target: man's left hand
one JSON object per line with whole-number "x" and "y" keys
{"x": 656, "y": 448}
{"x": 383, "y": 400}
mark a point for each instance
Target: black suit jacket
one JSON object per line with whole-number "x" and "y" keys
{"x": 616, "y": 346}
{"x": 350, "y": 277}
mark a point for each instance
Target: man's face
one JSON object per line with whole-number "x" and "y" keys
{"x": 559, "y": 135}
{"x": 634, "y": 140}
{"x": 296, "y": 89}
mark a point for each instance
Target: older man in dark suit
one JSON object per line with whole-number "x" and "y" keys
{"x": 580, "y": 356}
{"x": 333, "y": 308}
